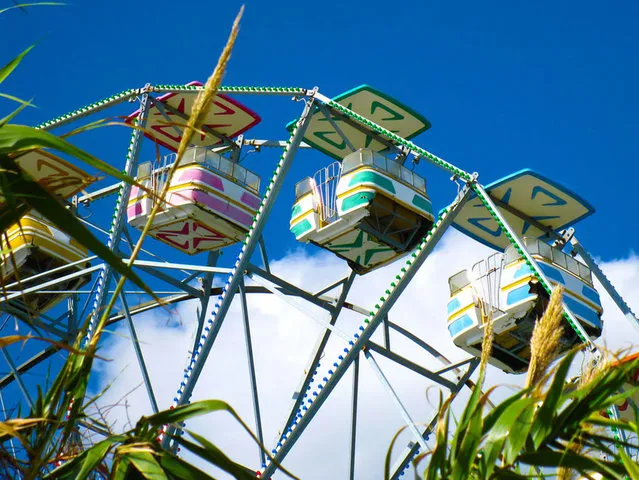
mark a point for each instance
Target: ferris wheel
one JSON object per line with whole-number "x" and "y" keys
{"x": 367, "y": 205}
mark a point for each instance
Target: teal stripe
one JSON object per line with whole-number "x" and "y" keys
{"x": 453, "y": 305}
{"x": 584, "y": 312}
{"x": 297, "y": 209}
{"x": 518, "y": 294}
{"x": 368, "y": 176}
{"x": 355, "y": 200}
{"x": 300, "y": 228}
{"x": 522, "y": 271}
{"x": 459, "y": 325}
{"x": 422, "y": 203}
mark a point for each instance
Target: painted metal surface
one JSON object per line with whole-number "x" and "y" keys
{"x": 53, "y": 173}
{"x": 300, "y": 417}
{"x": 226, "y": 116}
{"x": 526, "y": 191}
{"x": 388, "y": 112}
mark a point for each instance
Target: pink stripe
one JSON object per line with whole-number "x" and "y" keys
{"x": 213, "y": 203}
{"x": 134, "y": 191}
{"x": 200, "y": 175}
{"x": 250, "y": 200}
{"x": 134, "y": 211}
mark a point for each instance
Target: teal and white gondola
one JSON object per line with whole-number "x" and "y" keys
{"x": 367, "y": 207}
{"x": 369, "y": 210}
{"x": 502, "y": 288}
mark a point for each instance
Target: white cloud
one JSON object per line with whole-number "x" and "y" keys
{"x": 283, "y": 340}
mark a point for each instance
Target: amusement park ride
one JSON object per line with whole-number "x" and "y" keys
{"x": 367, "y": 206}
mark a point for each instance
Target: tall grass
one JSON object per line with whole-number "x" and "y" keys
{"x": 48, "y": 437}
{"x": 550, "y": 428}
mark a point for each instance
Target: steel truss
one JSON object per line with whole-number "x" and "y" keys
{"x": 311, "y": 394}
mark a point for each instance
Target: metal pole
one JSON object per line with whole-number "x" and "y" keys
{"x": 251, "y": 365}
{"x": 402, "y": 463}
{"x": 264, "y": 256}
{"x": 138, "y": 353}
{"x": 18, "y": 378}
{"x": 279, "y": 91}
{"x": 207, "y": 283}
{"x": 89, "y": 109}
{"x": 386, "y": 333}
{"x": 314, "y": 363}
{"x": 120, "y": 208}
{"x": 354, "y": 416}
{"x": 398, "y": 286}
{"x": 402, "y": 409}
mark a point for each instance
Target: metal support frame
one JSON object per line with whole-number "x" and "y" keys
{"x": 120, "y": 209}
{"x": 138, "y": 353}
{"x": 141, "y": 308}
{"x": 389, "y": 388}
{"x": 413, "y": 448}
{"x": 197, "y": 363}
{"x": 34, "y": 322}
{"x": 10, "y": 294}
{"x": 172, "y": 281}
{"x": 251, "y": 365}
{"x": 318, "y": 350}
{"x": 424, "y": 372}
{"x": 284, "y": 286}
{"x": 294, "y": 426}
{"x": 207, "y": 284}
{"x": 302, "y": 308}
{"x": 419, "y": 258}
{"x": 386, "y": 333}
{"x": 354, "y": 418}
{"x": 16, "y": 374}
{"x": 264, "y": 256}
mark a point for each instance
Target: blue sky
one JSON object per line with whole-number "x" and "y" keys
{"x": 506, "y": 85}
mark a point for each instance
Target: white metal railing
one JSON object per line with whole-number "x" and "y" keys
{"x": 537, "y": 247}
{"x": 378, "y": 161}
{"x": 487, "y": 281}
{"x": 158, "y": 170}
{"x": 326, "y": 181}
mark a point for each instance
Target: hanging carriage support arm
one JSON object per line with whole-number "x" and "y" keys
{"x": 612, "y": 291}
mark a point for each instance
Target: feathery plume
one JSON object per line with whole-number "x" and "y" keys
{"x": 199, "y": 111}
{"x": 202, "y": 103}
{"x": 546, "y": 338}
{"x": 486, "y": 343}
